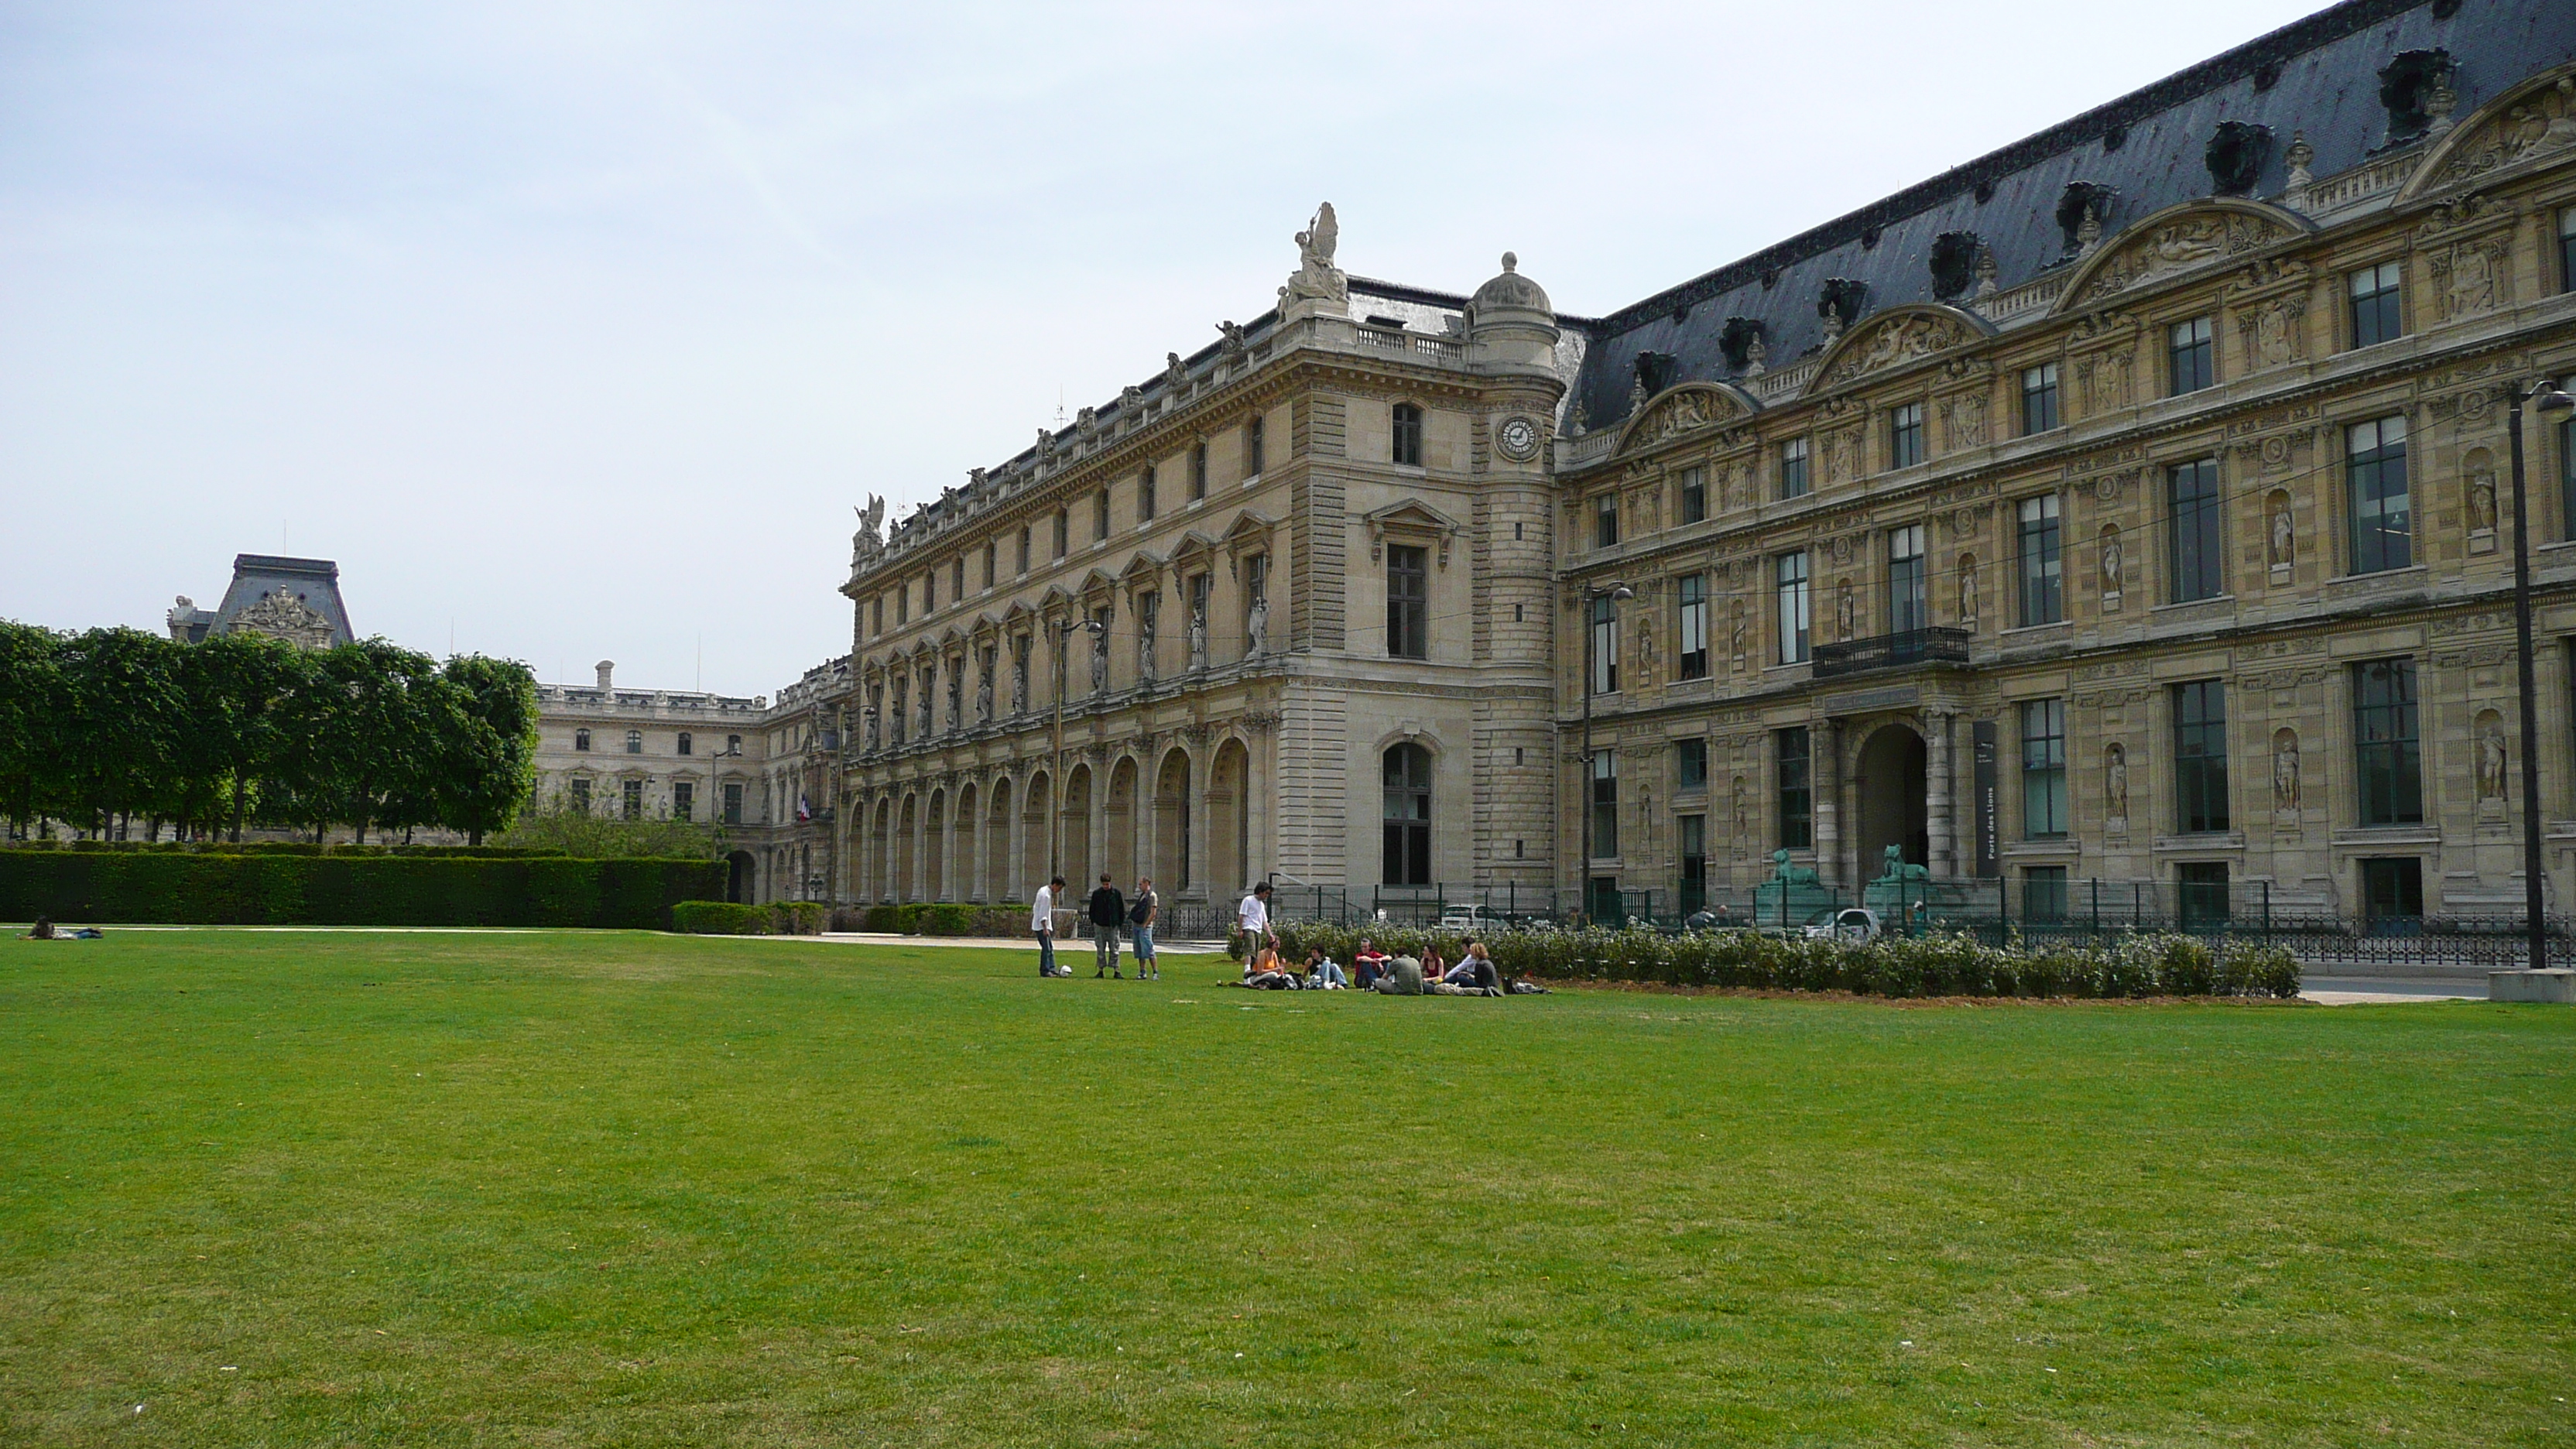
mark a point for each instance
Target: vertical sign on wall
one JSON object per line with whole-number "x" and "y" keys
{"x": 1989, "y": 826}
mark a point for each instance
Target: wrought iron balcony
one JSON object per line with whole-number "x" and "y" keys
{"x": 1892, "y": 651}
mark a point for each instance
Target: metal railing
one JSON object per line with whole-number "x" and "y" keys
{"x": 1939, "y": 644}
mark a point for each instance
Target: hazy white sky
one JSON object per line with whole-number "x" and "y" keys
{"x": 574, "y": 331}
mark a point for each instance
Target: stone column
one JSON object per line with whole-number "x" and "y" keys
{"x": 1015, "y": 837}
{"x": 1098, "y": 826}
{"x": 1942, "y": 853}
{"x": 1202, "y": 811}
{"x": 1825, "y": 766}
{"x": 948, "y": 868}
{"x": 919, "y": 876}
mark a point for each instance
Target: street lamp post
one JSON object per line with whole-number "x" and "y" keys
{"x": 2548, "y": 399}
{"x": 1616, "y": 593}
{"x": 1063, "y": 681}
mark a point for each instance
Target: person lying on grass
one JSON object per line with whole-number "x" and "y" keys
{"x": 46, "y": 930}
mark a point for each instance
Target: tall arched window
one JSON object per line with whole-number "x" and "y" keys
{"x": 688, "y": 743}
{"x": 1407, "y": 816}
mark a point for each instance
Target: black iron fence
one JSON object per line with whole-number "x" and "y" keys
{"x": 2033, "y": 910}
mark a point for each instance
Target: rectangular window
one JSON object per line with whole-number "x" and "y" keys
{"x": 1793, "y": 468}
{"x": 2200, "y": 757}
{"x": 1690, "y": 629}
{"x": 1908, "y": 586}
{"x": 1694, "y": 495}
{"x": 1789, "y": 581}
{"x": 732, "y": 803}
{"x": 631, "y": 799}
{"x": 2190, "y": 363}
{"x": 1408, "y": 602}
{"x": 2567, "y": 250}
{"x": 581, "y": 797}
{"x": 1024, "y": 550}
{"x": 1252, "y": 431}
{"x": 2383, "y": 523}
{"x": 992, "y": 556}
{"x": 2389, "y": 761}
{"x": 2043, "y": 769}
{"x": 902, "y": 603}
{"x": 1905, "y": 435}
{"x": 2041, "y": 566}
{"x": 2039, "y": 398}
{"x": 684, "y": 800}
{"x": 2043, "y": 895}
{"x": 2376, "y": 314}
{"x": 634, "y": 742}
{"x": 957, "y": 579}
{"x": 2567, "y": 463}
{"x": 1690, "y": 764}
{"x": 1145, "y": 496}
{"x": 1405, "y": 436}
{"x": 1063, "y": 531}
{"x": 688, "y": 743}
{"x": 1605, "y": 804}
{"x": 1797, "y": 820}
{"x": 1100, "y": 516}
{"x": 2198, "y": 551}
{"x": 2201, "y": 895}
{"x": 1605, "y": 520}
{"x": 876, "y": 616}
{"x": 1198, "y": 472}
{"x": 1690, "y": 833}
{"x": 1605, "y": 645}
{"x": 2392, "y": 889}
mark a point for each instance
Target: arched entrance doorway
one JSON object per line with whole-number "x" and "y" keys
{"x": 1887, "y": 786}
{"x": 738, "y": 883}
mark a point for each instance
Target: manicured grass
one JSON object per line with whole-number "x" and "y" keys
{"x": 305, "y": 1189}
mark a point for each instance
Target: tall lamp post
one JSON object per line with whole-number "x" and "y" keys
{"x": 1063, "y": 682}
{"x": 1618, "y": 594}
{"x": 2546, "y": 396}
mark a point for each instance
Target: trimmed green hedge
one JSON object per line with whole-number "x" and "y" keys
{"x": 278, "y": 888}
{"x": 721, "y": 918}
{"x": 1935, "y": 965}
{"x": 801, "y": 918}
{"x": 287, "y": 847}
{"x": 945, "y": 918}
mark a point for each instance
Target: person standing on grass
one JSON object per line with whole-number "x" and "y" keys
{"x": 1108, "y": 913}
{"x": 1252, "y": 918}
{"x": 1140, "y": 918}
{"x": 1042, "y": 926}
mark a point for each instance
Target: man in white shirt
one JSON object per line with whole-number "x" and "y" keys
{"x": 1042, "y": 926}
{"x": 1252, "y": 918}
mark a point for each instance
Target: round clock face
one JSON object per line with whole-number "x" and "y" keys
{"x": 1518, "y": 438}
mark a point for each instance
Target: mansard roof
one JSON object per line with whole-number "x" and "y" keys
{"x": 2318, "y": 77}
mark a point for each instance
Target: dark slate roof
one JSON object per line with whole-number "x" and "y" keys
{"x": 2319, "y": 76}
{"x": 316, "y": 581}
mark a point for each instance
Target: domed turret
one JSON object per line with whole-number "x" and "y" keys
{"x": 1511, "y": 324}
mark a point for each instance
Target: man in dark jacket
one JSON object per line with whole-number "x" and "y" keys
{"x": 1108, "y": 912}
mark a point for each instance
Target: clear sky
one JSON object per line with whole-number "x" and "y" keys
{"x": 575, "y": 331}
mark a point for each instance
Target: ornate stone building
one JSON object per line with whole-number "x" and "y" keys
{"x": 1280, "y": 608}
{"x": 295, "y": 599}
{"x": 2123, "y": 505}
{"x": 2129, "y": 504}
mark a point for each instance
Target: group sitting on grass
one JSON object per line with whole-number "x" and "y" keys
{"x": 1374, "y": 970}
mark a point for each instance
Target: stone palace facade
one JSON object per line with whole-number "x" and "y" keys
{"x": 2130, "y": 504}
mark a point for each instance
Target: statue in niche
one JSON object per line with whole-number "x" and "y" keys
{"x": 1968, "y": 592}
{"x": 1256, "y": 626}
{"x": 1735, "y": 628}
{"x": 2284, "y": 545}
{"x": 956, "y": 697}
{"x": 2285, "y": 772}
{"x": 2491, "y": 756}
{"x": 2482, "y": 501}
{"x": 1100, "y": 658}
{"x": 2274, "y": 343}
{"x": 1020, "y": 675}
{"x": 1843, "y": 611}
{"x": 1147, "y": 610}
{"x": 2110, "y": 563}
{"x": 1198, "y": 634}
{"x": 984, "y": 687}
{"x": 2115, "y": 769}
{"x": 1742, "y": 830}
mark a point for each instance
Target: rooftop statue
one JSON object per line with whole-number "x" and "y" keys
{"x": 1317, "y": 278}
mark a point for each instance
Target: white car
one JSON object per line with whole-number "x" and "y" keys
{"x": 1463, "y": 919}
{"x": 1851, "y": 923}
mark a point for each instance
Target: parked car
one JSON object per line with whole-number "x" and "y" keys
{"x": 1463, "y": 920}
{"x": 1850, "y": 923}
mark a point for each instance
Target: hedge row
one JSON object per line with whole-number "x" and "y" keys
{"x": 271, "y": 888}
{"x": 284, "y": 847}
{"x": 723, "y": 918}
{"x": 946, "y": 918}
{"x": 1934, "y": 965}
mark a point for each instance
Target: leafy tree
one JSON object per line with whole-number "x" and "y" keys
{"x": 121, "y": 720}
{"x": 556, "y": 823}
{"x": 492, "y": 768}
{"x": 31, "y": 716}
{"x": 236, "y": 686}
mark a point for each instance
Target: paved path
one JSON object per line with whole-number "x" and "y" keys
{"x": 2360, "y": 990}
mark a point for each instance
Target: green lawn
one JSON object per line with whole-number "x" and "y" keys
{"x": 566, "y": 1188}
